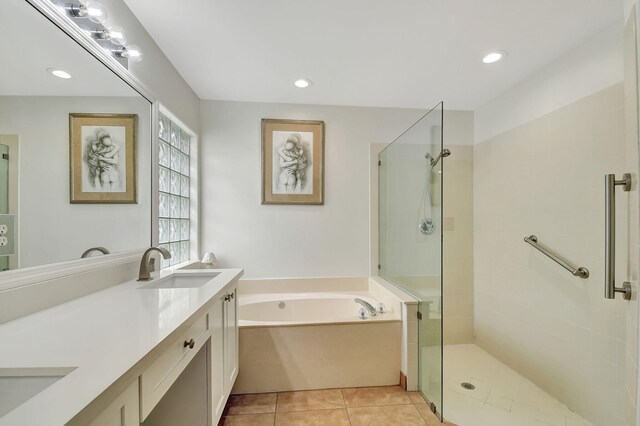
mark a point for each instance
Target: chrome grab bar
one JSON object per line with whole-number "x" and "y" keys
{"x": 610, "y": 184}
{"x": 581, "y": 271}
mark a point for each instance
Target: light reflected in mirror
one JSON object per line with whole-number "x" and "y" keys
{"x": 75, "y": 148}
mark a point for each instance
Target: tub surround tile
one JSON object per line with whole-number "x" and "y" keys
{"x": 248, "y": 420}
{"x": 251, "y": 404}
{"x": 363, "y": 397}
{"x": 310, "y": 400}
{"x": 337, "y": 417}
{"x": 389, "y": 415}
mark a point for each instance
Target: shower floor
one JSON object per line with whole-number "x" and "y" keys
{"x": 501, "y": 396}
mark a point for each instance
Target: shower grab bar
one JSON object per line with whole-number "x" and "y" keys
{"x": 581, "y": 271}
{"x": 610, "y": 184}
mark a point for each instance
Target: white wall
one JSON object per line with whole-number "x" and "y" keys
{"x": 290, "y": 241}
{"x": 155, "y": 70}
{"x": 593, "y": 66}
{"x": 52, "y": 229}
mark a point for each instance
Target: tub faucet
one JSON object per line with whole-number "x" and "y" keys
{"x": 366, "y": 305}
{"x": 145, "y": 269}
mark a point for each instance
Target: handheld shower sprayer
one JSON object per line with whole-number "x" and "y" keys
{"x": 433, "y": 161}
{"x": 427, "y": 225}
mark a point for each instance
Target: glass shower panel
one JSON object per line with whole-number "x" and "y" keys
{"x": 410, "y": 236}
{"x": 4, "y": 194}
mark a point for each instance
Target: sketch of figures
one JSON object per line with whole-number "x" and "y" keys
{"x": 292, "y": 161}
{"x": 102, "y": 156}
{"x": 294, "y": 158}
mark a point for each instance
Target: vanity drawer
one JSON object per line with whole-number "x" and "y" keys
{"x": 159, "y": 376}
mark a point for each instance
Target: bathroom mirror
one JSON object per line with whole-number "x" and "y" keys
{"x": 104, "y": 149}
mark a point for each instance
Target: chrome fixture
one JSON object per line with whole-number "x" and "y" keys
{"x": 91, "y": 17}
{"x": 610, "y": 184}
{"x": 362, "y": 314}
{"x": 427, "y": 225}
{"x": 92, "y": 249}
{"x": 366, "y": 305}
{"x": 145, "y": 263}
{"x": 381, "y": 308}
{"x": 131, "y": 52}
{"x": 91, "y": 9}
{"x": 433, "y": 161}
{"x": 581, "y": 272}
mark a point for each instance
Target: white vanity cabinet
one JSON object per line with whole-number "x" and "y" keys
{"x": 230, "y": 339}
{"x": 123, "y": 411}
{"x": 223, "y": 322}
{"x": 151, "y": 399}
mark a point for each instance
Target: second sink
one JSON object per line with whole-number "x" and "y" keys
{"x": 181, "y": 281}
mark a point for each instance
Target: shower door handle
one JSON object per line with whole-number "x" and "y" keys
{"x": 610, "y": 184}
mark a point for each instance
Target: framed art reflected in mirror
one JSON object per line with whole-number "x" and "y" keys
{"x": 103, "y": 158}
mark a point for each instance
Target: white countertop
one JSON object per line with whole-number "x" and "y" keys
{"x": 103, "y": 335}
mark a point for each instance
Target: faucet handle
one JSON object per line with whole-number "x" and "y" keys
{"x": 381, "y": 308}
{"x": 362, "y": 314}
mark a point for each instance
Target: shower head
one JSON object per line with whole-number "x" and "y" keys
{"x": 433, "y": 161}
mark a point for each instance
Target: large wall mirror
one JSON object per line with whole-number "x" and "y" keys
{"x": 67, "y": 185}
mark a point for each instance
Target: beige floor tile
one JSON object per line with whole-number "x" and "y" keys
{"x": 364, "y": 397}
{"x": 251, "y": 404}
{"x": 313, "y": 418}
{"x": 391, "y": 415}
{"x": 430, "y": 417}
{"x": 310, "y": 400}
{"x": 248, "y": 420}
{"x": 416, "y": 398}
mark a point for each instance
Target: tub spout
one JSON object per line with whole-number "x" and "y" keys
{"x": 366, "y": 305}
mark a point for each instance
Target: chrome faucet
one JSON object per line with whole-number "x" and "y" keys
{"x": 366, "y": 305}
{"x": 92, "y": 249}
{"x": 145, "y": 264}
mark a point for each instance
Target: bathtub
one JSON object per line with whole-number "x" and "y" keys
{"x": 294, "y": 336}
{"x": 282, "y": 309}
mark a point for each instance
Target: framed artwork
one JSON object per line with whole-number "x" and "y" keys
{"x": 292, "y": 162}
{"x": 102, "y": 158}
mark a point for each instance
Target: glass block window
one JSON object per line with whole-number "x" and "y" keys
{"x": 174, "y": 186}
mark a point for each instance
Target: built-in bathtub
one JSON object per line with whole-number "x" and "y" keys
{"x": 281, "y": 309}
{"x": 298, "y": 334}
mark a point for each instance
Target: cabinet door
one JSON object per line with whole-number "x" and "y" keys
{"x": 216, "y": 325}
{"x": 231, "y": 339}
{"x": 123, "y": 411}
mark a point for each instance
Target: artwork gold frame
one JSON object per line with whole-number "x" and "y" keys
{"x": 292, "y": 162}
{"x": 102, "y": 158}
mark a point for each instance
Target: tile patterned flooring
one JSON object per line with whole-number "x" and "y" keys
{"x": 502, "y": 397}
{"x": 374, "y": 406}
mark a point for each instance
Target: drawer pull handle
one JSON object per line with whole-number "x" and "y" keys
{"x": 191, "y": 343}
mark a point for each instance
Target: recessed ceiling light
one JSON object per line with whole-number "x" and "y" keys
{"x": 303, "y": 83}
{"x": 59, "y": 73}
{"x": 494, "y": 57}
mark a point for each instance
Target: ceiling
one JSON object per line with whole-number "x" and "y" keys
{"x": 391, "y": 53}
{"x": 41, "y": 45}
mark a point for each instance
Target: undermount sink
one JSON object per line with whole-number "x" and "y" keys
{"x": 181, "y": 281}
{"x": 18, "y": 385}
{"x": 198, "y": 265}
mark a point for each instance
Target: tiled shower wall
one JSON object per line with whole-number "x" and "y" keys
{"x": 458, "y": 245}
{"x": 545, "y": 177}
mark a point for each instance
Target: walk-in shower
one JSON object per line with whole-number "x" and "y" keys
{"x": 426, "y": 224}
